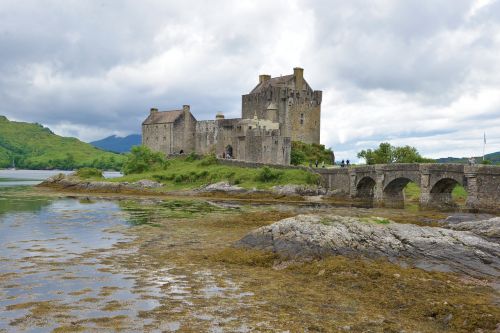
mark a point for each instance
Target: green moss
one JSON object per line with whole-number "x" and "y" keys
{"x": 374, "y": 219}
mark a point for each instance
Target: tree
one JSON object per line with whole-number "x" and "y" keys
{"x": 142, "y": 159}
{"x": 303, "y": 152}
{"x": 386, "y": 153}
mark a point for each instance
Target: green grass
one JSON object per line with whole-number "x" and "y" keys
{"x": 412, "y": 193}
{"x": 89, "y": 173}
{"x": 33, "y": 146}
{"x": 186, "y": 173}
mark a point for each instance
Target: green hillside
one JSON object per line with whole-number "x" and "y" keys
{"x": 494, "y": 158}
{"x": 33, "y": 146}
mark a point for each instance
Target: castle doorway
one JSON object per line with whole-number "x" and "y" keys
{"x": 229, "y": 151}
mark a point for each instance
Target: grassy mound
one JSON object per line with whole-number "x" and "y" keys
{"x": 194, "y": 171}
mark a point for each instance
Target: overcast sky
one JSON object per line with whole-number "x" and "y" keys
{"x": 424, "y": 72}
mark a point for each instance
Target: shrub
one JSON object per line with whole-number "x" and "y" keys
{"x": 192, "y": 157}
{"x": 312, "y": 178}
{"x": 142, "y": 159}
{"x": 267, "y": 175}
{"x": 89, "y": 173}
{"x": 209, "y": 159}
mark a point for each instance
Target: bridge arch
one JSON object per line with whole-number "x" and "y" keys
{"x": 440, "y": 194}
{"x": 365, "y": 188}
{"x": 393, "y": 192}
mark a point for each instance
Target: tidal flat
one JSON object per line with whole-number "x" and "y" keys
{"x": 103, "y": 263}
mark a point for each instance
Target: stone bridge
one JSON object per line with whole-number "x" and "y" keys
{"x": 384, "y": 183}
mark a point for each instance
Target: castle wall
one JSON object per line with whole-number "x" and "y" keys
{"x": 206, "y": 134}
{"x": 183, "y": 134}
{"x": 265, "y": 147}
{"x": 304, "y": 120}
{"x": 158, "y": 137}
{"x": 188, "y": 143}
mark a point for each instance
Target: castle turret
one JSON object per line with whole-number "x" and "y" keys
{"x": 264, "y": 78}
{"x": 153, "y": 110}
{"x": 298, "y": 75}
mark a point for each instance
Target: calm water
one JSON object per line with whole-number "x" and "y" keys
{"x": 33, "y": 177}
{"x": 46, "y": 256}
{"x": 61, "y": 263}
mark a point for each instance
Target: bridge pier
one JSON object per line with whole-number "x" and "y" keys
{"x": 471, "y": 185}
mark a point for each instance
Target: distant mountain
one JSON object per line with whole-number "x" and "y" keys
{"x": 32, "y": 146}
{"x": 493, "y": 157}
{"x": 117, "y": 144}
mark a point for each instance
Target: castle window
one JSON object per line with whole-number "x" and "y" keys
{"x": 164, "y": 138}
{"x": 249, "y": 127}
{"x": 302, "y": 119}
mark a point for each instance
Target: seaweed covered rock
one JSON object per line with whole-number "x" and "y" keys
{"x": 431, "y": 248}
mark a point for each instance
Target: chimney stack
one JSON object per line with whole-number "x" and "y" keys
{"x": 298, "y": 74}
{"x": 264, "y": 78}
{"x": 153, "y": 110}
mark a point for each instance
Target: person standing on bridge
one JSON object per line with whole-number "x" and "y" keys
{"x": 347, "y": 163}
{"x": 342, "y": 164}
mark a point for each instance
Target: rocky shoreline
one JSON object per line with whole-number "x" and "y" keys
{"x": 472, "y": 248}
{"x": 73, "y": 183}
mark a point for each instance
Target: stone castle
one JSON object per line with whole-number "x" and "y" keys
{"x": 276, "y": 112}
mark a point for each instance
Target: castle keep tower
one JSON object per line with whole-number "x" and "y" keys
{"x": 288, "y": 100}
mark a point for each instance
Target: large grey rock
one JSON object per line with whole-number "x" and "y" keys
{"x": 488, "y": 228}
{"x": 222, "y": 187}
{"x": 305, "y": 190}
{"x": 146, "y": 183}
{"x": 313, "y": 236}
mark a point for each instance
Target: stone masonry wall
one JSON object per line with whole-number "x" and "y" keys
{"x": 158, "y": 137}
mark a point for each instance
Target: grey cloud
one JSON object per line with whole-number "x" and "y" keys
{"x": 101, "y": 65}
